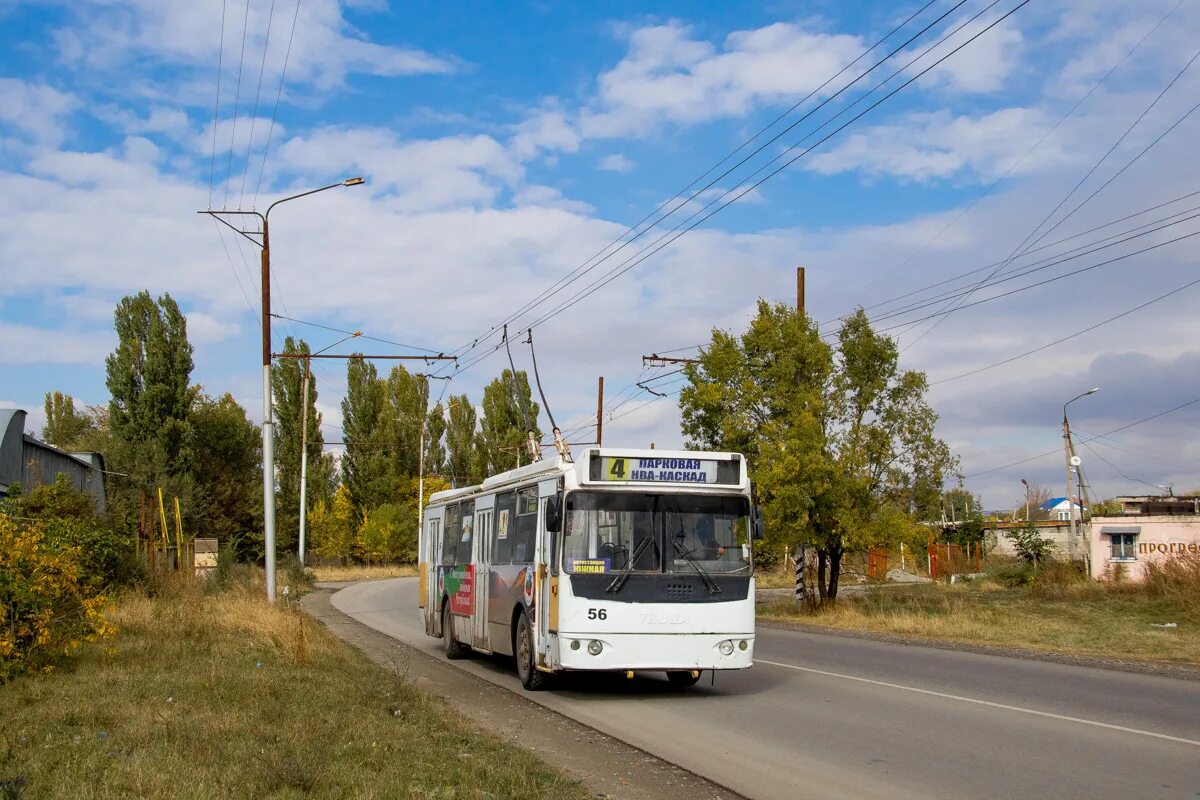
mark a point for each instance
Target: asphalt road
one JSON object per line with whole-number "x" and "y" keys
{"x": 833, "y": 717}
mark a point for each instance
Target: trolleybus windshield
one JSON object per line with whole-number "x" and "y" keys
{"x": 671, "y": 533}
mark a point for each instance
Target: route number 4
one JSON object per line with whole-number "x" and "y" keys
{"x": 617, "y": 470}
{"x": 597, "y": 613}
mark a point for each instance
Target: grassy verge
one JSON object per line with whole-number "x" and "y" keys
{"x": 364, "y": 573}
{"x": 212, "y": 695}
{"x": 1084, "y": 619}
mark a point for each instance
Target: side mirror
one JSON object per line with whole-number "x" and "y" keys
{"x": 554, "y": 513}
{"x": 757, "y": 524}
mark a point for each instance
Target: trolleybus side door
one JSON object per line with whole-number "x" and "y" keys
{"x": 544, "y": 559}
{"x": 431, "y": 557}
{"x": 483, "y": 578}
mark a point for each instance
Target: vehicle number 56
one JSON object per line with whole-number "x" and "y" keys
{"x": 597, "y": 613}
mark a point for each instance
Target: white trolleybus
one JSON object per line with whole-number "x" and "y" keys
{"x": 622, "y": 561}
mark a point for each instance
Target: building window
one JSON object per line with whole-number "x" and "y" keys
{"x": 1123, "y": 548}
{"x": 1064, "y": 516}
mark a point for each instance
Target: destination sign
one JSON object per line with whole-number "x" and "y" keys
{"x": 659, "y": 470}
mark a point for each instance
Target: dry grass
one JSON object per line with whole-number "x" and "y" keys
{"x": 364, "y": 573}
{"x": 214, "y": 694}
{"x": 1076, "y": 617}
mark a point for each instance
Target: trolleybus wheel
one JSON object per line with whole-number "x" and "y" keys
{"x": 453, "y": 647}
{"x": 683, "y": 678}
{"x": 531, "y": 679}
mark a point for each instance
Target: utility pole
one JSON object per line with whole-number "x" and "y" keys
{"x": 264, "y": 242}
{"x": 600, "y": 412}
{"x": 801, "y": 589}
{"x": 799, "y": 288}
{"x": 1071, "y": 462}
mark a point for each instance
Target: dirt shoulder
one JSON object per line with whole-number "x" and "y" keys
{"x": 1183, "y": 671}
{"x": 611, "y": 768}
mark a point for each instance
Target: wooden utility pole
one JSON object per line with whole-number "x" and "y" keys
{"x": 600, "y": 412}
{"x": 799, "y": 288}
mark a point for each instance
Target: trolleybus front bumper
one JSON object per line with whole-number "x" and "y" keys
{"x": 655, "y": 651}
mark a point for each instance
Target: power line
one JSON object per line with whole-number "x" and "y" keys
{"x": 1055, "y": 243}
{"x": 212, "y": 166}
{"x": 576, "y": 273}
{"x": 1088, "y": 329}
{"x": 1074, "y": 189}
{"x": 348, "y": 333}
{"x": 236, "y": 276}
{"x": 1139, "y": 452}
{"x": 1048, "y": 280}
{"x": 1098, "y": 436}
{"x": 656, "y": 246}
{"x": 237, "y": 98}
{"x": 257, "y": 94}
{"x": 1037, "y": 266}
{"x": 274, "y": 113}
{"x": 1118, "y": 469}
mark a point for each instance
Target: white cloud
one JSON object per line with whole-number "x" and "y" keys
{"x": 617, "y": 162}
{"x": 925, "y": 146}
{"x": 416, "y": 174}
{"x": 35, "y": 110}
{"x": 545, "y": 130}
{"x": 668, "y": 76}
{"x": 205, "y": 329}
{"x": 25, "y": 344}
{"x": 985, "y": 64}
{"x": 109, "y": 34}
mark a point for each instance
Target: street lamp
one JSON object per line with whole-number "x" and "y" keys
{"x": 304, "y": 433}
{"x": 1069, "y": 450}
{"x": 268, "y": 437}
{"x": 1027, "y": 518}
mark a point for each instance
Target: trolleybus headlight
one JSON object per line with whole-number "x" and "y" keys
{"x": 726, "y": 648}
{"x": 742, "y": 645}
{"x": 574, "y": 644}
{"x": 594, "y": 647}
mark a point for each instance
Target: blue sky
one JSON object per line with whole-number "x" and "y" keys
{"x": 505, "y": 144}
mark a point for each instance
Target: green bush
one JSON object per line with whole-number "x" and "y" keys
{"x": 1013, "y": 575}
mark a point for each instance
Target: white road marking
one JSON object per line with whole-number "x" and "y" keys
{"x": 988, "y": 703}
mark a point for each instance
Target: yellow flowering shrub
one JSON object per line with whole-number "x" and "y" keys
{"x": 46, "y": 610}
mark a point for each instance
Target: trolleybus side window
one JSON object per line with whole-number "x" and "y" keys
{"x": 506, "y": 515}
{"x": 451, "y": 536}
{"x": 463, "y": 546}
{"x": 524, "y": 532}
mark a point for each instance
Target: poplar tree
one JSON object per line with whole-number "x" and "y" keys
{"x": 408, "y": 404}
{"x": 228, "y": 499}
{"x": 367, "y": 470}
{"x": 148, "y": 376}
{"x": 64, "y": 426}
{"x": 463, "y": 463}
{"x": 502, "y": 431}
{"x": 435, "y": 448}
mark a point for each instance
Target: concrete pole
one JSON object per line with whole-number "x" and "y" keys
{"x": 304, "y": 462}
{"x": 1070, "y": 484}
{"x": 268, "y": 427}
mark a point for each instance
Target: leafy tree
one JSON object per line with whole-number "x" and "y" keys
{"x": 1105, "y": 508}
{"x": 367, "y": 470}
{"x": 502, "y": 432}
{"x": 463, "y": 463}
{"x": 1030, "y": 506}
{"x": 965, "y": 513}
{"x": 839, "y": 439}
{"x": 64, "y": 427}
{"x": 227, "y": 503}
{"x": 435, "y": 448}
{"x": 408, "y": 402}
{"x": 287, "y": 389}
{"x": 334, "y": 526}
{"x": 1030, "y": 544}
{"x": 148, "y": 377}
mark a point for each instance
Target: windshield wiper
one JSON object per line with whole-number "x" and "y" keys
{"x": 709, "y": 583}
{"x": 619, "y": 581}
